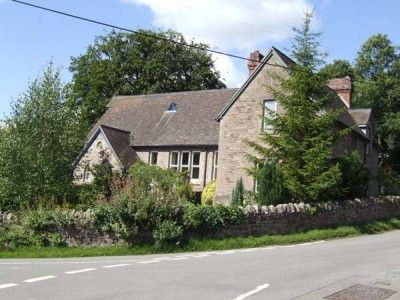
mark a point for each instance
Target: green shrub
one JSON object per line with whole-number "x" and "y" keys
{"x": 208, "y": 194}
{"x": 166, "y": 186}
{"x": 271, "y": 188}
{"x": 238, "y": 193}
{"x": 202, "y": 219}
{"x": 16, "y": 236}
{"x": 167, "y": 232}
{"x": 43, "y": 220}
{"x": 355, "y": 176}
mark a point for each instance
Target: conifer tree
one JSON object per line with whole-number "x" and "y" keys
{"x": 302, "y": 138}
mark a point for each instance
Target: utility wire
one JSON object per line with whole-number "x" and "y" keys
{"x": 142, "y": 33}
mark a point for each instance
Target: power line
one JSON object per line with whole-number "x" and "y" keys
{"x": 141, "y": 33}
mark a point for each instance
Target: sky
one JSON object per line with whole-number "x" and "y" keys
{"x": 30, "y": 38}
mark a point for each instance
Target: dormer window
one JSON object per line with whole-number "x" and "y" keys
{"x": 172, "y": 107}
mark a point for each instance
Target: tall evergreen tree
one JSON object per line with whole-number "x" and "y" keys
{"x": 38, "y": 144}
{"x": 303, "y": 137}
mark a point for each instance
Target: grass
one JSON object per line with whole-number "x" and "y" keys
{"x": 209, "y": 244}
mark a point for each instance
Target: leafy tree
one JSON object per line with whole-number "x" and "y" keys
{"x": 303, "y": 137}
{"x": 378, "y": 86}
{"x": 135, "y": 63}
{"x": 237, "y": 197}
{"x": 271, "y": 188}
{"x": 38, "y": 144}
{"x": 338, "y": 68}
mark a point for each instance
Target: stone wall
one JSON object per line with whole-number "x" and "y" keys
{"x": 295, "y": 217}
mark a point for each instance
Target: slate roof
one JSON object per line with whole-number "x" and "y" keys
{"x": 119, "y": 141}
{"x": 147, "y": 119}
{"x": 361, "y": 115}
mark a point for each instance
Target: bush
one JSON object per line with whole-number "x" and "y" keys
{"x": 44, "y": 220}
{"x": 201, "y": 219}
{"x": 355, "y": 176}
{"x": 167, "y": 233}
{"x": 238, "y": 193}
{"x": 166, "y": 186}
{"x": 16, "y": 236}
{"x": 271, "y": 188}
{"x": 208, "y": 194}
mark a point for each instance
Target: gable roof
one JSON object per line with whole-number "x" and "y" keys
{"x": 361, "y": 115}
{"x": 150, "y": 124}
{"x": 286, "y": 62}
{"x": 119, "y": 142}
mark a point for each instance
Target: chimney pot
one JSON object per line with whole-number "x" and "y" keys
{"x": 343, "y": 87}
{"x": 254, "y": 60}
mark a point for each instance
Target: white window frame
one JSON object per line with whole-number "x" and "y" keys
{"x": 267, "y": 113}
{"x": 215, "y": 165}
{"x": 186, "y": 166}
{"x": 195, "y": 166}
{"x": 151, "y": 158}
{"x": 174, "y": 166}
{"x": 86, "y": 173}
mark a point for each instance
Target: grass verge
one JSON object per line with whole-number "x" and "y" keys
{"x": 209, "y": 244}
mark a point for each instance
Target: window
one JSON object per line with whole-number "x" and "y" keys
{"x": 215, "y": 162}
{"x": 153, "y": 158}
{"x": 185, "y": 161}
{"x": 269, "y": 113}
{"x": 86, "y": 173}
{"x": 174, "y": 160}
{"x": 195, "y": 165}
{"x": 172, "y": 107}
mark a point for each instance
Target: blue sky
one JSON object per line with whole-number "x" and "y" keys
{"x": 30, "y": 38}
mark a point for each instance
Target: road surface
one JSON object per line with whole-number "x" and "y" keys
{"x": 366, "y": 267}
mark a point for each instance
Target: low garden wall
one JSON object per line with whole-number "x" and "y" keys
{"x": 82, "y": 228}
{"x": 295, "y": 217}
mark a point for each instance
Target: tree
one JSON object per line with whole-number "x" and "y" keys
{"x": 237, "y": 196}
{"x": 135, "y": 63}
{"x": 270, "y": 184}
{"x": 378, "y": 86}
{"x": 38, "y": 144}
{"x": 302, "y": 138}
{"x": 338, "y": 68}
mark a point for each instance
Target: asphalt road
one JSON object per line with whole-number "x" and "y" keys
{"x": 368, "y": 265}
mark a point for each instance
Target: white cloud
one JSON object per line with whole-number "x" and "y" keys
{"x": 230, "y": 25}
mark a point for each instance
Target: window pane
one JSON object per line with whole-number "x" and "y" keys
{"x": 216, "y": 159}
{"x": 269, "y": 112}
{"x": 174, "y": 158}
{"x": 185, "y": 158}
{"x": 153, "y": 159}
{"x": 196, "y": 158}
{"x": 185, "y": 169}
{"x": 195, "y": 173}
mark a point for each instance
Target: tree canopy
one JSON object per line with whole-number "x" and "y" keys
{"x": 136, "y": 63}
{"x": 38, "y": 144}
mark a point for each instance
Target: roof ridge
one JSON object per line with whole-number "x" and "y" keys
{"x": 171, "y": 93}
{"x": 114, "y": 128}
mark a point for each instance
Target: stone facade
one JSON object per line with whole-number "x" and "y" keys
{"x": 243, "y": 121}
{"x": 94, "y": 154}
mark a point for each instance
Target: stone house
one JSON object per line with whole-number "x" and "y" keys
{"x": 202, "y": 132}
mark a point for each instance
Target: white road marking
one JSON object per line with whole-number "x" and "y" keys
{"x": 226, "y": 252}
{"x": 148, "y": 262}
{"x": 179, "y": 258}
{"x": 200, "y": 255}
{"x": 252, "y": 292}
{"x": 162, "y": 258}
{"x": 40, "y": 278}
{"x": 116, "y": 266}
{"x": 79, "y": 271}
{"x": 7, "y": 285}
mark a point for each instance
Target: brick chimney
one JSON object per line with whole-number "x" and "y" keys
{"x": 343, "y": 87}
{"x": 255, "y": 58}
